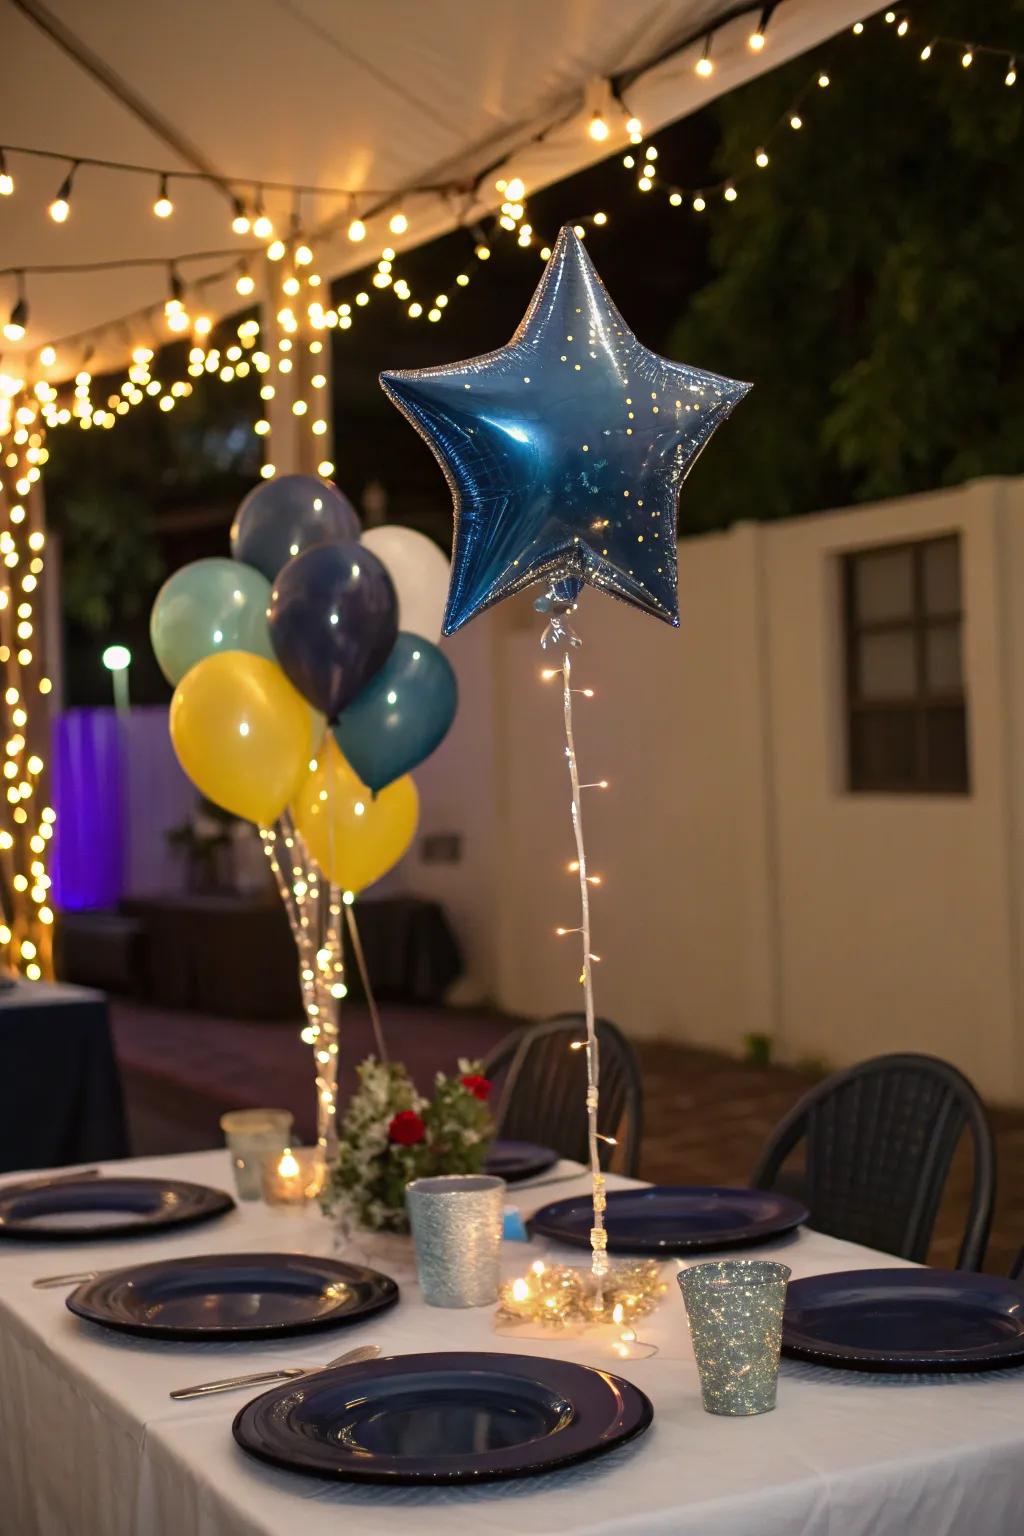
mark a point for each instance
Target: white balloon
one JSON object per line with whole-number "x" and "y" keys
{"x": 420, "y": 573}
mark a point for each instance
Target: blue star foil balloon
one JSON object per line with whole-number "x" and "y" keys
{"x": 565, "y": 450}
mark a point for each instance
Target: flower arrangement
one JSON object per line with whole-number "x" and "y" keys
{"x": 391, "y": 1134}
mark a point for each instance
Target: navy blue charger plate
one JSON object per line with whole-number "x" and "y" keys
{"x": 233, "y": 1296}
{"x": 906, "y": 1320}
{"x": 515, "y": 1160}
{"x": 670, "y": 1219}
{"x": 443, "y": 1418}
{"x": 136, "y": 1207}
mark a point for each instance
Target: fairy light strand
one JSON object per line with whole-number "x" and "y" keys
{"x": 727, "y": 189}
{"x": 314, "y": 908}
{"x": 598, "y": 1235}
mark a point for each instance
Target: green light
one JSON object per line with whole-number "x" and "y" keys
{"x": 116, "y": 658}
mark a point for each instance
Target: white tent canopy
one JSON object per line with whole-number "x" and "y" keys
{"x": 376, "y": 99}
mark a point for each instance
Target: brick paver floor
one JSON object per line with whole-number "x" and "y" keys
{"x": 706, "y": 1115}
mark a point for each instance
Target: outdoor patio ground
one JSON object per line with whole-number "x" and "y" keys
{"x": 707, "y": 1115}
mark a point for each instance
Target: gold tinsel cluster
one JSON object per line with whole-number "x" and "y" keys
{"x": 560, "y": 1296}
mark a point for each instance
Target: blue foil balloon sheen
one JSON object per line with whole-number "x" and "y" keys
{"x": 566, "y": 449}
{"x": 282, "y": 517}
{"x": 401, "y": 715}
{"x": 333, "y": 621}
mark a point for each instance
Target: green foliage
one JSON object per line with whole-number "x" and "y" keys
{"x": 104, "y": 490}
{"x": 368, "y": 1181}
{"x": 869, "y": 281}
{"x": 111, "y": 561}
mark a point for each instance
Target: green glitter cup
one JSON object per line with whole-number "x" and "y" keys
{"x": 734, "y": 1308}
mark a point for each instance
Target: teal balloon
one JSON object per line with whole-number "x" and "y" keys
{"x": 208, "y": 606}
{"x": 402, "y": 714}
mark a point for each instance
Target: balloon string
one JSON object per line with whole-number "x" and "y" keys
{"x": 598, "y": 1235}
{"x": 364, "y": 976}
{"x": 313, "y": 916}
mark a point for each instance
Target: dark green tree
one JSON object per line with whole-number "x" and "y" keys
{"x": 869, "y": 280}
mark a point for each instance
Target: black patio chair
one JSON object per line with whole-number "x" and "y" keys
{"x": 1017, "y": 1267}
{"x": 543, "y": 1090}
{"x": 878, "y": 1140}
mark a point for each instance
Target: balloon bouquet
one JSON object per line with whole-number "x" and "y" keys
{"x": 307, "y": 685}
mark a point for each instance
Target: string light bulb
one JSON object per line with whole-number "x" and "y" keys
{"x": 356, "y": 231}
{"x": 759, "y": 36}
{"x": 926, "y": 53}
{"x": 6, "y": 179}
{"x": 61, "y": 205}
{"x": 967, "y": 57}
{"x": 761, "y": 158}
{"x": 705, "y": 65}
{"x": 1011, "y": 73}
{"x": 398, "y": 223}
{"x": 598, "y": 128}
{"x": 245, "y": 283}
{"x": 240, "y": 221}
{"x": 262, "y": 226}
{"x": 163, "y": 207}
{"x": 14, "y": 330}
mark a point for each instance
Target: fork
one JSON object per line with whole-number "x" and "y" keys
{"x": 44, "y": 1180}
{"x": 51, "y": 1282}
{"x": 286, "y": 1373}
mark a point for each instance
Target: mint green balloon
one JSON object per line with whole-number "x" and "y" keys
{"x": 209, "y": 606}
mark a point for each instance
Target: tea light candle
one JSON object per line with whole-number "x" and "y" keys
{"x": 293, "y": 1177}
{"x": 252, "y": 1135}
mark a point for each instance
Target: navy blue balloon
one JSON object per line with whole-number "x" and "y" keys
{"x": 402, "y": 714}
{"x": 282, "y": 517}
{"x": 333, "y": 621}
{"x": 565, "y": 450}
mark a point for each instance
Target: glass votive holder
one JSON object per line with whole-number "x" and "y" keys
{"x": 250, "y": 1135}
{"x": 456, "y": 1223}
{"x": 293, "y": 1176}
{"x": 734, "y": 1308}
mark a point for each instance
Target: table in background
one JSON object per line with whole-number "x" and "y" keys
{"x": 235, "y": 956}
{"x": 60, "y": 1090}
{"x": 91, "y": 1445}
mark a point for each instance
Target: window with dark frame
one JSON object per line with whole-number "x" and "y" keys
{"x": 906, "y": 714}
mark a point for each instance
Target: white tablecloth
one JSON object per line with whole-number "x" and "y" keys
{"x": 91, "y": 1444}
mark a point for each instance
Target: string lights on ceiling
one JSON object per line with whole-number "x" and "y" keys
{"x": 794, "y": 118}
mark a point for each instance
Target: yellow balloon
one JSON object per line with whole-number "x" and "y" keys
{"x": 241, "y": 733}
{"x": 352, "y": 836}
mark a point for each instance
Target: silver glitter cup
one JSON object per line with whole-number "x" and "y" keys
{"x": 735, "y": 1307}
{"x": 456, "y": 1226}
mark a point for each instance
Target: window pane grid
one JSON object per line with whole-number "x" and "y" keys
{"x": 906, "y": 715}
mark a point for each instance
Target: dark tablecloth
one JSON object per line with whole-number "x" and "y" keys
{"x": 60, "y": 1090}
{"x": 235, "y": 956}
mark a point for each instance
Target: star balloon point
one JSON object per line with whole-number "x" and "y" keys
{"x": 529, "y": 504}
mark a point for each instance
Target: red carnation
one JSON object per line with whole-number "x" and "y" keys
{"x": 478, "y": 1086}
{"x": 407, "y": 1128}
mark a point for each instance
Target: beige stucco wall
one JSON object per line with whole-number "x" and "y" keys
{"x": 745, "y": 889}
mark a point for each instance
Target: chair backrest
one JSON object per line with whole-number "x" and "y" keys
{"x": 878, "y": 1142}
{"x": 1017, "y": 1267}
{"x": 543, "y": 1092}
